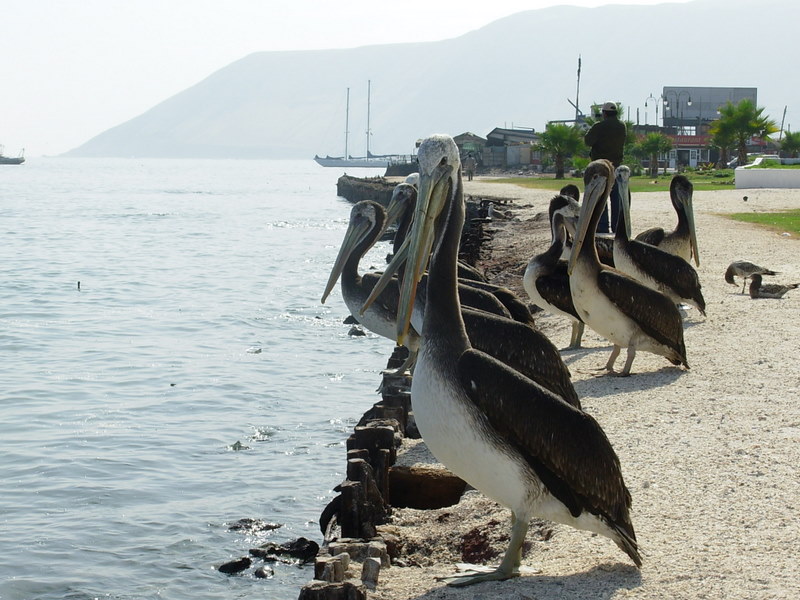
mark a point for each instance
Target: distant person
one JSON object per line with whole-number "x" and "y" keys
{"x": 606, "y": 138}
{"x": 470, "y": 165}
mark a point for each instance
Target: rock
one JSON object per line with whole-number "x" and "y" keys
{"x": 264, "y": 572}
{"x": 345, "y": 590}
{"x": 377, "y": 549}
{"x": 301, "y": 548}
{"x": 356, "y": 331}
{"x": 423, "y": 487}
{"x": 235, "y": 566}
{"x": 331, "y": 568}
{"x": 253, "y": 526}
{"x": 370, "y": 571}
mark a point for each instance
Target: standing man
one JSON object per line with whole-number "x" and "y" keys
{"x": 470, "y": 164}
{"x": 606, "y": 139}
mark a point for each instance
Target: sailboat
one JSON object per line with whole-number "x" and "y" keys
{"x": 370, "y": 160}
{"x": 12, "y": 160}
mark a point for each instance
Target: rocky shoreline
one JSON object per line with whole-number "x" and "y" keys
{"x": 709, "y": 454}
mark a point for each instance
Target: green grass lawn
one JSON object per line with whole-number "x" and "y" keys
{"x": 788, "y": 220}
{"x": 773, "y": 164}
{"x": 702, "y": 182}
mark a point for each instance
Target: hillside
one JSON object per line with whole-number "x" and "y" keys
{"x": 518, "y": 71}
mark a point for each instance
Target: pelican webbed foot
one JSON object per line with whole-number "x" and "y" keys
{"x": 477, "y": 574}
{"x": 626, "y": 370}
{"x": 576, "y": 337}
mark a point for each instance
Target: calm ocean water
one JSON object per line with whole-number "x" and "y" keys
{"x": 197, "y": 325}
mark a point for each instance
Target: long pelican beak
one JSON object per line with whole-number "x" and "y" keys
{"x": 434, "y": 189}
{"x": 595, "y": 190}
{"x": 687, "y": 203}
{"x": 355, "y": 234}
{"x": 622, "y": 176}
{"x": 393, "y": 267}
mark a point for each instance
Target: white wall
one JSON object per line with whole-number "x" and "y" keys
{"x": 766, "y": 178}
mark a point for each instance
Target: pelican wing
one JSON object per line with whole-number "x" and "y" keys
{"x": 555, "y": 289}
{"x": 670, "y": 269}
{"x": 653, "y": 236}
{"x": 566, "y": 447}
{"x": 522, "y": 348}
{"x": 389, "y": 296}
{"x": 656, "y": 314}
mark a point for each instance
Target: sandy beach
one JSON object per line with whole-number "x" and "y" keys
{"x": 709, "y": 454}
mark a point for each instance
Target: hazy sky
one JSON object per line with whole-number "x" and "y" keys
{"x": 71, "y": 69}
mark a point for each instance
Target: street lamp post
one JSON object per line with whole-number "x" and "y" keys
{"x": 646, "y": 105}
{"x": 677, "y": 109}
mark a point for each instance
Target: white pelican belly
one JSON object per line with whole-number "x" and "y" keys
{"x": 459, "y": 437}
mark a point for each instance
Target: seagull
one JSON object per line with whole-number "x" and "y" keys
{"x": 744, "y": 269}
{"x": 768, "y": 290}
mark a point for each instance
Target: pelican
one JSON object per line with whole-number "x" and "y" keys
{"x": 683, "y": 240}
{"x": 768, "y": 290}
{"x": 517, "y": 344}
{"x": 656, "y": 268}
{"x": 546, "y": 280}
{"x": 744, "y": 269}
{"x": 367, "y": 222}
{"x": 507, "y": 436}
{"x": 616, "y": 306}
{"x": 603, "y": 241}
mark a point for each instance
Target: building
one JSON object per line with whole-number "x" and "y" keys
{"x": 470, "y": 143}
{"x": 511, "y": 148}
{"x": 686, "y": 115}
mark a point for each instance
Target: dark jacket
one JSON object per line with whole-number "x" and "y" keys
{"x": 607, "y": 139}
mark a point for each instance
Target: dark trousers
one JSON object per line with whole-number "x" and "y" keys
{"x": 602, "y": 226}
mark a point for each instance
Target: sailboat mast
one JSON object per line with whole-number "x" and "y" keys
{"x": 369, "y": 84}
{"x": 346, "y": 123}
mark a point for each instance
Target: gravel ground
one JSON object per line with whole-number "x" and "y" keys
{"x": 710, "y": 454}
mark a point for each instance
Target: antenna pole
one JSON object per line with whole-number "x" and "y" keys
{"x": 783, "y": 119}
{"x": 578, "y": 90}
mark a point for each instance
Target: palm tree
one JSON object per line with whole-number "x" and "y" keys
{"x": 790, "y": 144}
{"x": 723, "y": 138}
{"x": 561, "y": 141}
{"x": 743, "y": 121}
{"x": 652, "y": 145}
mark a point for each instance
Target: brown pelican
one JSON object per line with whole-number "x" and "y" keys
{"x": 656, "y": 268}
{"x": 616, "y": 306}
{"x": 744, "y": 269}
{"x": 683, "y": 240}
{"x": 546, "y": 280}
{"x": 367, "y": 222}
{"x": 768, "y": 290}
{"x": 516, "y": 344}
{"x": 502, "y": 433}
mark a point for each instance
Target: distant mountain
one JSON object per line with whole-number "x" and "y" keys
{"x": 517, "y": 71}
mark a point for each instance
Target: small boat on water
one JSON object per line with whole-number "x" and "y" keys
{"x": 12, "y": 160}
{"x": 370, "y": 161}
